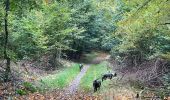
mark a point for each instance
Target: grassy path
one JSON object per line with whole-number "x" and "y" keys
{"x": 87, "y": 76}
{"x": 62, "y": 78}
{"x": 94, "y": 72}
{"x": 72, "y": 84}
{"x": 75, "y": 83}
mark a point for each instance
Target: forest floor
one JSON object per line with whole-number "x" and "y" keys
{"x": 115, "y": 89}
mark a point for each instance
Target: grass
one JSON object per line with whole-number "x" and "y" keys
{"x": 94, "y": 72}
{"x": 62, "y": 78}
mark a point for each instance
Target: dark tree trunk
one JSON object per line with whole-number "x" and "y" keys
{"x": 54, "y": 57}
{"x": 54, "y": 60}
{"x": 7, "y": 69}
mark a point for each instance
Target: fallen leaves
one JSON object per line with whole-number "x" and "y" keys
{"x": 58, "y": 95}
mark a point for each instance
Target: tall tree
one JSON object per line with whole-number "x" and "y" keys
{"x": 6, "y": 57}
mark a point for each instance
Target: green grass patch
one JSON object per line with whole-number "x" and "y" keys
{"x": 62, "y": 78}
{"x": 94, "y": 72}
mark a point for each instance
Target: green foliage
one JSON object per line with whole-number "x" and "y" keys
{"x": 166, "y": 56}
{"x": 58, "y": 28}
{"x": 27, "y": 36}
{"x": 21, "y": 92}
{"x": 55, "y": 27}
{"x": 96, "y": 20}
{"x": 141, "y": 28}
{"x": 27, "y": 87}
{"x": 1, "y": 28}
{"x": 166, "y": 80}
{"x": 71, "y": 27}
{"x": 143, "y": 32}
{"x": 162, "y": 92}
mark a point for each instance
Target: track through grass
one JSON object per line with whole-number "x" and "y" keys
{"x": 62, "y": 78}
{"x": 94, "y": 72}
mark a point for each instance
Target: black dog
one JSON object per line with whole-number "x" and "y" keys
{"x": 96, "y": 84}
{"x": 81, "y": 66}
{"x": 110, "y": 75}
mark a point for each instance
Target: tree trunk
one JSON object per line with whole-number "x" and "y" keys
{"x": 7, "y": 69}
{"x": 54, "y": 59}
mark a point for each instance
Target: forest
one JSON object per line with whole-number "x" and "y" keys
{"x": 84, "y": 49}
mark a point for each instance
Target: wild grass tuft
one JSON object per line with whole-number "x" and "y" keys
{"x": 62, "y": 78}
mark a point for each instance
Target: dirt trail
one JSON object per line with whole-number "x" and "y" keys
{"x": 75, "y": 83}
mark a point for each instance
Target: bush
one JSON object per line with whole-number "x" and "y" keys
{"x": 29, "y": 86}
{"x": 21, "y": 92}
{"x": 26, "y": 88}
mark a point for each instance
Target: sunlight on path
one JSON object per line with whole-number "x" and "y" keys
{"x": 75, "y": 83}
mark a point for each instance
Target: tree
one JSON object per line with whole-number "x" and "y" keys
{"x": 140, "y": 29}
{"x": 6, "y": 39}
{"x": 6, "y": 57}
